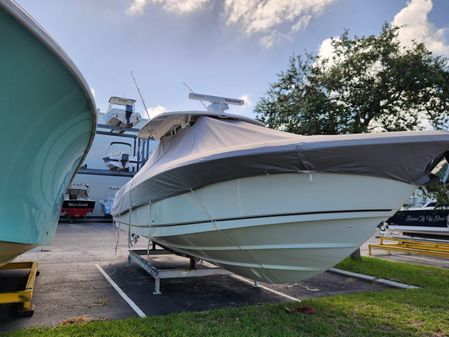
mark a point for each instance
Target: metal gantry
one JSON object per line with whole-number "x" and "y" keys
{"x": 141, "y": 150}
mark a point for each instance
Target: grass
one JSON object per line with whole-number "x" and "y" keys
{"x": 411, "y": 313}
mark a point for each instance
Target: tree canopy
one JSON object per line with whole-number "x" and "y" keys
{"x": 371, "y": 83}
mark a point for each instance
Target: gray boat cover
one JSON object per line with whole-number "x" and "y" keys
{"x": 214, "y": 150}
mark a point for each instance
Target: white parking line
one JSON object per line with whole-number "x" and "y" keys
{"x": 291, "y": 298}
{"x": 133, "y": 305}
{"x": 372, "y": 279}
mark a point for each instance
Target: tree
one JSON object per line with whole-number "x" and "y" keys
{"x": 368, "y": 84}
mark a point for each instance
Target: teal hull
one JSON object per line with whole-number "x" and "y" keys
{"x": 48, "y": 118}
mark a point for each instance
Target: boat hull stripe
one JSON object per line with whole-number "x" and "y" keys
{"x": 262, "y": 216}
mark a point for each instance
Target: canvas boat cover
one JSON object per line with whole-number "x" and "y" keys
{"x": 215, "y": 149}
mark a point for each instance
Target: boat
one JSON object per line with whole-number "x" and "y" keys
{"x": 77, "y": 202}
{"x": 266, "y": 204}
{"x": 119, "y": 158}
{"x": 50, "y": 117}
{"x": 121, "y": 115}
{"x": 427, "y": 221}
{"x": 106, "y": 204}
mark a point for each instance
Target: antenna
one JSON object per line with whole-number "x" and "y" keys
{"x": 218, "y": 104}
{"x": 216, "y": 99}
{"x": 193, "y": 92}
{"x": 140, "y": 94}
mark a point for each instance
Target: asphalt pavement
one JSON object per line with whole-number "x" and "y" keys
{"x": 70, "y": 285}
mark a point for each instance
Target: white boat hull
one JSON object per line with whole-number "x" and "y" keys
{"x": 276, "y": 228}
{"x": 424, "y": 230}
{"x": 115, "y": 163}
{"x": 117, "y": 118}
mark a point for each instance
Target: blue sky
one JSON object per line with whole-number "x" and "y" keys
{"x": 231, "y": 47}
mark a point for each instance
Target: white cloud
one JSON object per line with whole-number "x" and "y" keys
{"x": 270, "y": 20}
{"x": 248, "y": 103}
{"x": 273, "y": 38}
{"x": 273, "y": 19}
{"x": 258, "y": 16}
{"x": 326, "y": 50}
{"x": 137, "y": 7}
{"x": 155, "y": 110}
{"x": 182, "y": 6}
{"x": 246, "y": 109}
{"x": 415, "y": 25}
{"x": 179, "y": 7}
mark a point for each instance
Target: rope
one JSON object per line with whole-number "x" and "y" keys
{"x": 129, "y": 234}
{"x": 117, "y": 238}
{"x": 302, "y": 286}
{"x": 149, "y": 229}
{"x": 130, "y": 214}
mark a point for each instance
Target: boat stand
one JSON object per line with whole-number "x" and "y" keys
{"x": 22, "y": 297}
{"x": 174, "y": 269}
{"x": 421, "y": 246}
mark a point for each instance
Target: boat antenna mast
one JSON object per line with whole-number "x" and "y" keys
{"x": 191, "y": 91}
{"x": 140, "y": 94}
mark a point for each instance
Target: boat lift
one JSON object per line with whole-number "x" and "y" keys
{"x": 24, "y": 296}
{"x": 180, "y": 268}
{"x": 409, "y": 245}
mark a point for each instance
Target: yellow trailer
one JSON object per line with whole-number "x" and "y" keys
{"x": 420, "y": 246}
{"x": 22, "y": 297}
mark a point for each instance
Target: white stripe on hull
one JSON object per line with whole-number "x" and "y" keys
{"x": 280, "y": 228}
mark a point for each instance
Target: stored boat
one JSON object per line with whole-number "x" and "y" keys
{"x": 427, "y": 221}
{"x": 121, "y": 114}
{"x": 77, "y": 202}
{"x": 119, "y": 157}
{"x": 50, "y": 119}
{"x": 266, "y": 204}
{"x": 106, "y": 204}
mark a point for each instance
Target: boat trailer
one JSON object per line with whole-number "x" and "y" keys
{"x": 21, "y": 297}
{"x": 178, "y": 268}
{"x": 419, "y": 246}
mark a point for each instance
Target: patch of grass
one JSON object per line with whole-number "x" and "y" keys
{"x": 411, "y": 313}
{"x": 422, "y": 276}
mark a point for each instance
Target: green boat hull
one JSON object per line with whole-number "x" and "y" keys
{"x": 48, "y": 118}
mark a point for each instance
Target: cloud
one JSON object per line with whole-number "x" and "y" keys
{"x": 327, "y": 57}
{"x": 270, "y": 20}
{"x": 179, "y": 7}
{"x": 326, "y": 50}
{"x": 137, "y": 7}
{"x": 415, "y": 26}
{"x": 247, "y": 100}
{"x": 273, "y": 20}
{"x": 246, "y": 109}
{"x": 155, "y": 110}
{"x": 272, "y": 38}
